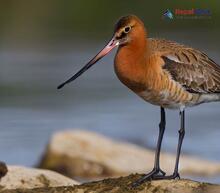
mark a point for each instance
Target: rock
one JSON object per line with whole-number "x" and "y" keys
{"x": 123, "y": 184}
{"x": 26, "y": 178}
{"x": 3, "y": 169}
{"x": 89, "y": 155}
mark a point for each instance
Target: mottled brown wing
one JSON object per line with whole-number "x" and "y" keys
{"x": 193, "y": 70}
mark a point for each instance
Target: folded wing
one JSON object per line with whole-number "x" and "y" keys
{"x": 191, "y": 68}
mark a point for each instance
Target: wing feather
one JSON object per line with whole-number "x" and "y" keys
{"x": 195, "y": 78}
{"x": 191, "y": 68}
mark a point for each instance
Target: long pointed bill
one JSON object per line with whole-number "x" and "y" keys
{"x": 113, "y": 43}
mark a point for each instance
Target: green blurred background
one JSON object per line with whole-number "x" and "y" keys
{"x": 37, "y": 22}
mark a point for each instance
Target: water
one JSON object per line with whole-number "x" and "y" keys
{"x": 32, "y": 109}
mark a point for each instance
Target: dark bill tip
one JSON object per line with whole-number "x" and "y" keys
{"x": 60, "y": 86}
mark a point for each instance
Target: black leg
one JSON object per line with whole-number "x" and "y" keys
{"x": 157, "y": 173}
{"x": 181, "y": 136}
{"x": 162, "y": 126}
{"x": 156, "y": 170}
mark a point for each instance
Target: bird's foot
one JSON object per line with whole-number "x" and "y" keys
{"x": 175, "y": 175}
{"x": 150, "y": 176}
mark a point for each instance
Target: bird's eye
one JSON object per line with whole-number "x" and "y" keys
{"x": 127, "y": 29}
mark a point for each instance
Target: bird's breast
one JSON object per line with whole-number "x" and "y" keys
{"x": 149, "y": 81}
{"x": 156, "y": 88}
{"x": 131, "y": 75}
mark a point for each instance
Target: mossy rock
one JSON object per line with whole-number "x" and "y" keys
{"x": 123, "y": 185}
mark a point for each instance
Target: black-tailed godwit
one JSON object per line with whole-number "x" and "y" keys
{"x": 163, "y": 73}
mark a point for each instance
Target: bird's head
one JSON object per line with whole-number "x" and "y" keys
{"x": 127, "y": 30}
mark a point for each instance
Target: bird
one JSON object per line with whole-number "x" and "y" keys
{"x": 162, "y": 72}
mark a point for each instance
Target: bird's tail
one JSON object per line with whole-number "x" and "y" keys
{"x": 219, "y": 97}
{"x": 205, "y": 98}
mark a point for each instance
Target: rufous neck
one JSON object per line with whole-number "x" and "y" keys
{"x": 135, "y": 50}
